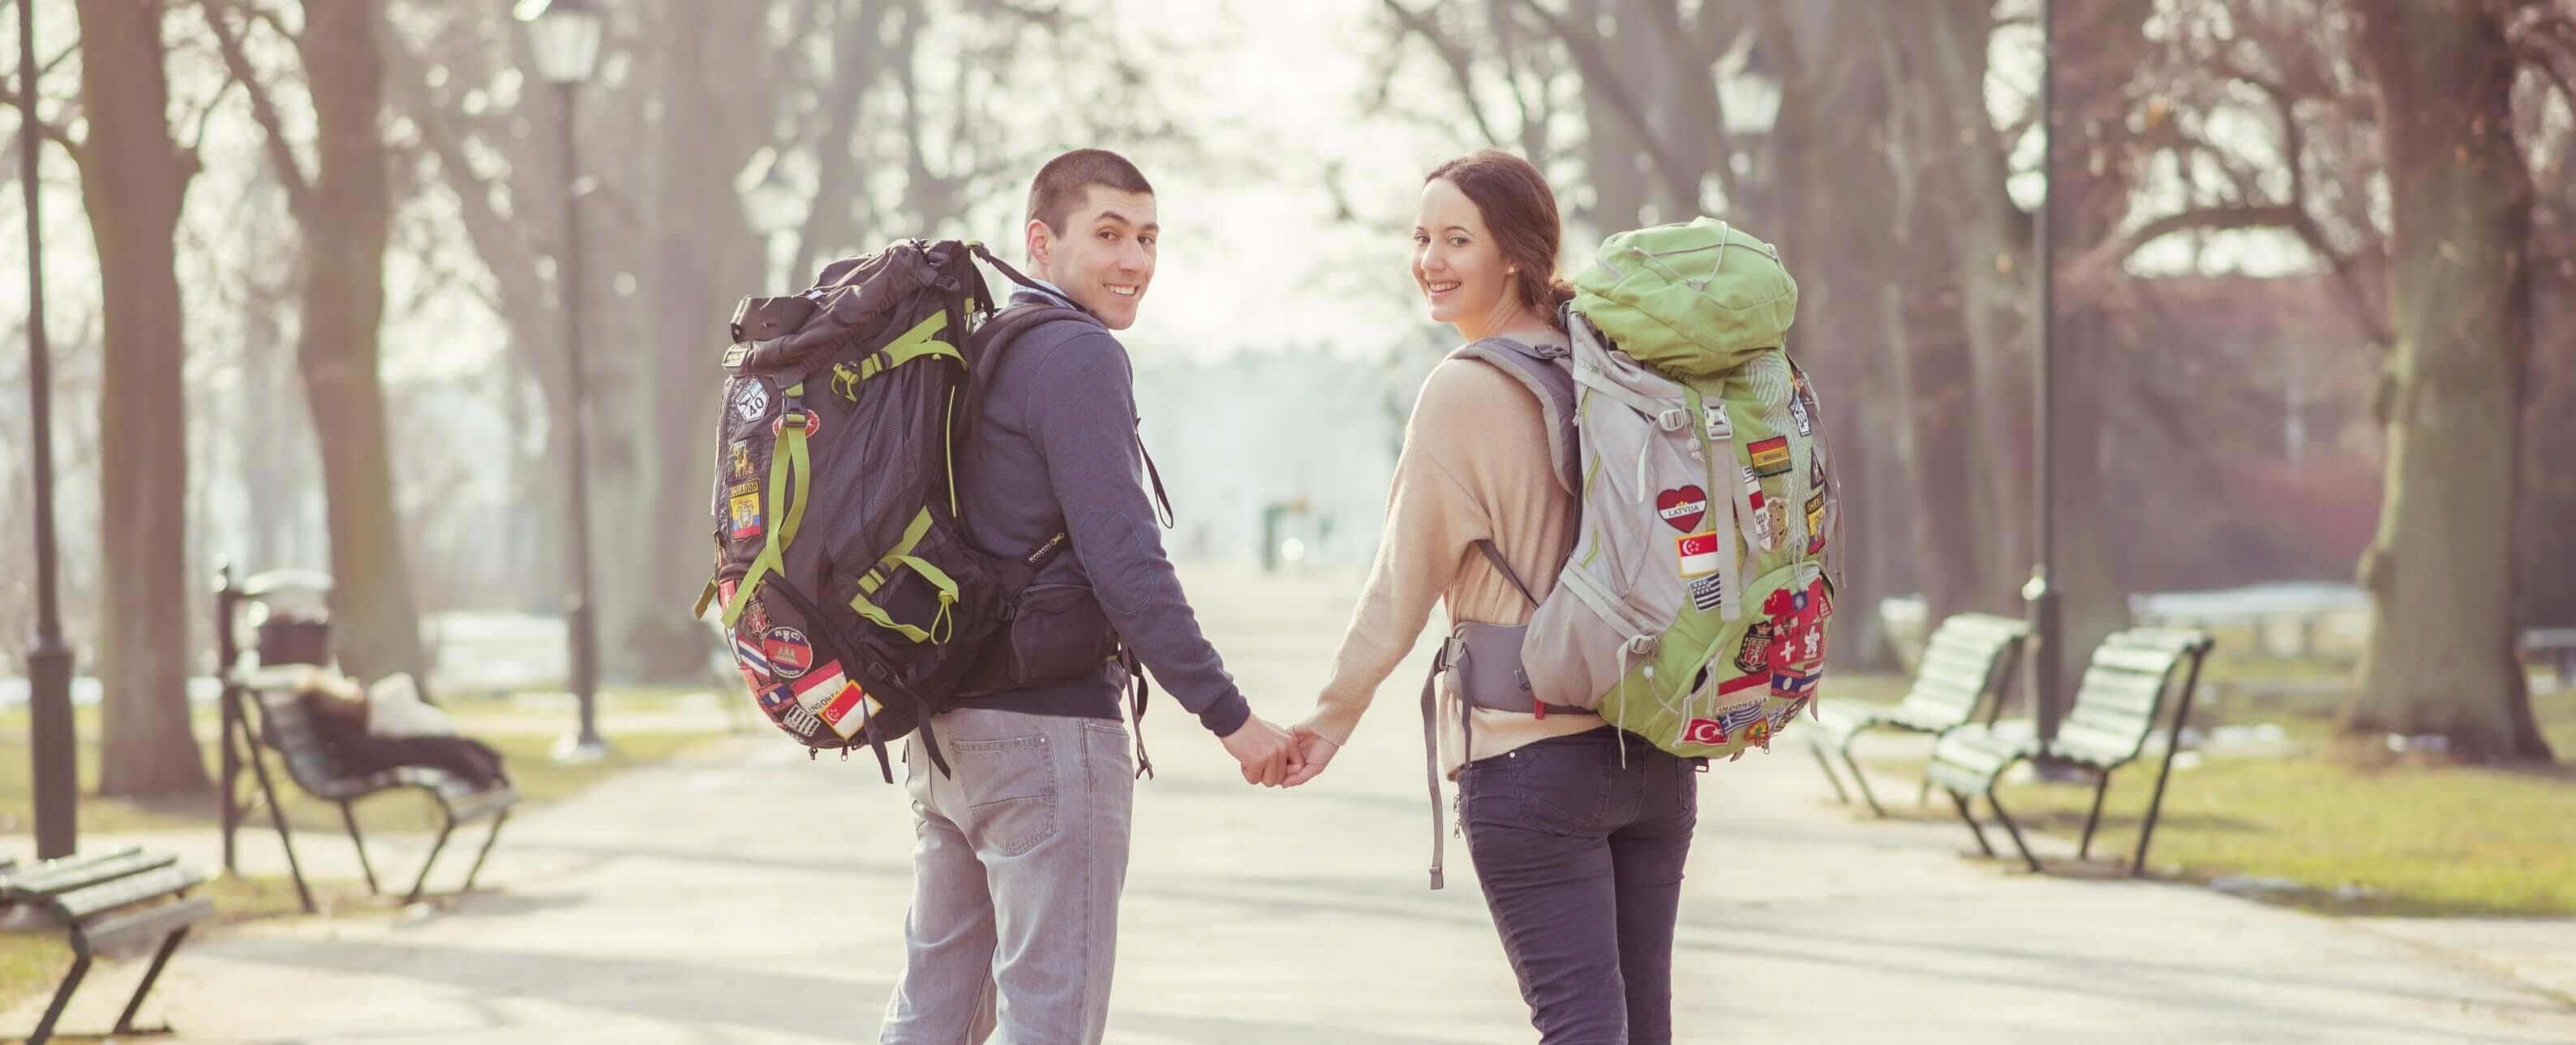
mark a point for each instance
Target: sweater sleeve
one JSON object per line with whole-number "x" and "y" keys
{"x": 1085, "y": 415}
{"x": 1432, "y": 521}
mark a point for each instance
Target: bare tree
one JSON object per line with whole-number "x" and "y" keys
{"x": 343, "y": 205}
{"x": 2442, "y": 606}
{"x": 134, "y": 180}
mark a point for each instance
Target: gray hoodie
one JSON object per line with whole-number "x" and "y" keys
{"x": 1055, "y": 450}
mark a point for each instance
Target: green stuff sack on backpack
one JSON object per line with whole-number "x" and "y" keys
{"x": 1693, "y": 610}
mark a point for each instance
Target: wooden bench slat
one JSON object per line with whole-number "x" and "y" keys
{"x": 1973, "y": 655}
{"x": 1945, "y": 691}
{"x": 53, "y": 877}
{"x": 2111, "y": 688}
{"x": 130, "y": 889}
{"x": 2151, "y": 661}
{"x": 2174, "y": 639}
{"x": 2095, "y": 745}
{"x": 148, "y": 924}
{"x": 1982, "y": 626}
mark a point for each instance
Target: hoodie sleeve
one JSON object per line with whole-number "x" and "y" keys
{"x": 1084, "y": 413}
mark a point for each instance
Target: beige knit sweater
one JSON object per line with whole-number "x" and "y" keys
{"x": 1475, "y": 466}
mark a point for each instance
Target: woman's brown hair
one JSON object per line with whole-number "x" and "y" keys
{"x": 1520, "y": 211}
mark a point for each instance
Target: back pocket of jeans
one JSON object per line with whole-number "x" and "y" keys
{"x": 1561, "y": 786}
{"x": 1010, "y": 792}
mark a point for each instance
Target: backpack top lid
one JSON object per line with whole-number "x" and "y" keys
{"x": 1690, "y": 300}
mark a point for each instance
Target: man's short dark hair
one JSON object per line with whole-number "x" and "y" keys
{"x": 1061, "y": 183}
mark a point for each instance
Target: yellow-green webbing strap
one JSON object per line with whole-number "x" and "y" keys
{"x": 921, "y": 340}
{"x": 790, "y": 477}
{"x": 944, "y": 626}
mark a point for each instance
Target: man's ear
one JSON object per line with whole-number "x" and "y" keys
{"x": 1041, "y": 244}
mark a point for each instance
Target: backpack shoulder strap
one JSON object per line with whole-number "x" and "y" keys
{"x": 1544, "y": 371}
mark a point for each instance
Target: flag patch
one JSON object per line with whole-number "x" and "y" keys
{"x": 790, "y": 655}
{"x": 753, "y": 660}
{"x": 1697, "y": 553}
{"x": 1770, "y": 456}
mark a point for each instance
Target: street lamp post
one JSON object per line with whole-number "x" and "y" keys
{"x": 564, "y": 36}
{"x": 2046, "y": 620}
{"x": 49, "y": 661}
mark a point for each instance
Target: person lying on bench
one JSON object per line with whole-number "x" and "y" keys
{"x": 368, "y": 731}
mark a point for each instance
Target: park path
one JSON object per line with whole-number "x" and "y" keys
{"x": 742, "y": 893}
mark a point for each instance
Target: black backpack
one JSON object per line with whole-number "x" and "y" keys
{"x": 852, "y": 600}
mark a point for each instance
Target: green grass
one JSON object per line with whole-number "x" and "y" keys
{"x": 528, "y": 756}
{"x": 2411, "y": 837}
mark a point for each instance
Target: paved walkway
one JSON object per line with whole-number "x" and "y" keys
{"x": 745, "y": 894}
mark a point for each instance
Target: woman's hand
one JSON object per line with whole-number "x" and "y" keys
{"x": 1313, "y": 750}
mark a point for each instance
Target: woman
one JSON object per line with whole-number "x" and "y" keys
{"x": 1578, "y": 831}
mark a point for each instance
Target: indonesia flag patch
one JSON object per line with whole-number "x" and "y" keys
{"x": 819, "y": 686}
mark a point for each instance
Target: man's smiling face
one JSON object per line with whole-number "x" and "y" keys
{"x": 1103, "y": 257}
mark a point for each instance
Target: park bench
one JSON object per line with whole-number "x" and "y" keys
{"x": 260, "y": 707}
{"x": 2116, "y": 705}
{"x": 284, "y": 726}
{"x": 107, "y": 902}
{"x": 1969, "y": 656}
{"x": 2555, "y": 647}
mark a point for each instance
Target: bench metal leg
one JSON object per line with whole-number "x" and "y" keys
{"x": 360, "y": 841}
{"x": 2084, "y": 850}
{"x": 169, "y": 944}
{"x": 2013, "y": 829}
{"x": 1971, "y": 820}
{"x": 498, "y": 819}
{"x": 448, "y": 827}
{"x": 1862, "y": 780}
{"x": 2173, "y": 746}
{"x": 62, "y": 998}
{"x": 277, "y": 816}
{"x": 1818, "y": 749}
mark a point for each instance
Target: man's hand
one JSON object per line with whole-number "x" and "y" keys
{"x": 1313, "y": 750}
{"x": 1263, "y": 750}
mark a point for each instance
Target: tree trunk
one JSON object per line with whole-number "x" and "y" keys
{"x": 134, "y": 179}
{"x": 2441, "y": 570}
{"x": 375, "y": 622}
{"x": 657, "y": 414}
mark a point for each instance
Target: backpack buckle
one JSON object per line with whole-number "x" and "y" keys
{"x": 795, "y": 417}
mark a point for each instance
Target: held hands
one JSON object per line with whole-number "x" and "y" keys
{"x": 1266, "y": 752}
{"x": 1313, "y": 750}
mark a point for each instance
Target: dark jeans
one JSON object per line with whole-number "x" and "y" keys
{"x": 1581, "y": 860}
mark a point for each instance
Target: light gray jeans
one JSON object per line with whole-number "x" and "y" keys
{"x": 1017, "y": 866}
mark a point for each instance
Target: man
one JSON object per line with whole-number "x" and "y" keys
{"x": 1022, "y": 852}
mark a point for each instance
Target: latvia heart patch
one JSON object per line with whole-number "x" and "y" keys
{"x": 1683, "y": 508}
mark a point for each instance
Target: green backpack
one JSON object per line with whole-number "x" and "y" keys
{"x": 1693, "y": 609}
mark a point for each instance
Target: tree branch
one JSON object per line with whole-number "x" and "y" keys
{"x": 1699, "y": 88}
{"x": 1599, "y": 75}
{"x": 299, "y": 189}
{"x": 1452, "y": 54}
{"x": 2232, "y": 217}
{"x": 51, "y": 132}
